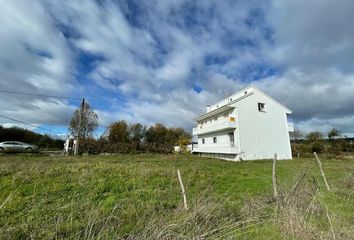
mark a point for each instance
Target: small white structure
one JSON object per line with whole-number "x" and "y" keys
{"x": 69, "y": 145}
{"x": 247, "y": 125}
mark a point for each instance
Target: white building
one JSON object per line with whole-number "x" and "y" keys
{"x": 247, "y": 125}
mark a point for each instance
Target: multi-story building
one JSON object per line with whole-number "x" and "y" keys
{"x": 247, "y": 125}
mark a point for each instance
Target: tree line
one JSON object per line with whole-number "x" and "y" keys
{"x": 335, "y": 143}
{"x": 24, "y": 135}
{"x": 119, "y": 137}
{"x": 316, "y": 135}
{"x": 124, "y": 137}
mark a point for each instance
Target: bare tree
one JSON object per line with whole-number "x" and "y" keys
{"x": 297, "y": 134}
{"x": 89, "y": 121}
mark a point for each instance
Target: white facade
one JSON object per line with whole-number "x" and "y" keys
{"x": 248, "y": 125}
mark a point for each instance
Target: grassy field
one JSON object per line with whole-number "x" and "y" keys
{"x": 138, "y": 197}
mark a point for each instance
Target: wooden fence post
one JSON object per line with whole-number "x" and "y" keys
{"x": 183, "y": 191}
{"x": 274, "y": 176}
{"x": 322, "y": 172}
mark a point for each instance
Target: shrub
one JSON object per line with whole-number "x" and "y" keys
{"x": 317, "y": 147}
{"x": 92, "y": 146}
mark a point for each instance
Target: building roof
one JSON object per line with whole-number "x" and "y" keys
{"x": 228, "y": 105}
{"x": 216, "y": 111}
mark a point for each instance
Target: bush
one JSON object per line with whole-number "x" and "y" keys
{"x": 333, "y": 147}
{"x": 92, "y": 146}
{"x": 317, "y": 147}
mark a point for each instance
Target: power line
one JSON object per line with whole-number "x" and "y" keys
{"x": 32, "y": 125}
{"x": 39, "y": 95}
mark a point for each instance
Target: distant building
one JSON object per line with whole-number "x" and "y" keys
{"x": 247, "y": 125}
{"x": 177, "y": 148}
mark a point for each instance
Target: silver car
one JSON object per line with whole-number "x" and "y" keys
{"x": 14, "y": 146}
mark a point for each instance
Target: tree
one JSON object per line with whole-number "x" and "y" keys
{"x": 297, "y": 134}
{"x": 136, "y": 132}
{"x": 157, "y": 134}
{"x": 314, "y": 136}
{"x": 333, "y": 133}
{"x": 89, "y": 122}
{"x": 118, "y": 132}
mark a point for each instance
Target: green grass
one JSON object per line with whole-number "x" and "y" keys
{"x": 138, "y": 196}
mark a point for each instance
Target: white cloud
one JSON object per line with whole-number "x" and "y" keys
{"x": 313, "y": 48}
{"x": 34, "y": 58}
{"x": 152, "y": 53}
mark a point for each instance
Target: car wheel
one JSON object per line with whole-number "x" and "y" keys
{"x": 29, "y": 149}
{"x": 2, "y": 149}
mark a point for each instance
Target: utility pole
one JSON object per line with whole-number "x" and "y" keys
{"x": 76, "y": 151}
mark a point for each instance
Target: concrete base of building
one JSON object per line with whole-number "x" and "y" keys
{"x": 240, "y": 156}
{"x": 224, "y": 156}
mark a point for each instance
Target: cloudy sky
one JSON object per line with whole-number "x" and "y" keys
{"x": 164, "y": 61}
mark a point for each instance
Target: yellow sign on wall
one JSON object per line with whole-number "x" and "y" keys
{"x": 232, "y": 119}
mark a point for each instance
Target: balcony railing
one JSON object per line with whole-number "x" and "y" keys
{"x": 223, "y": 124}
{"x": 225, "y": 148}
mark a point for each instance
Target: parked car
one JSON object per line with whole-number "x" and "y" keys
{"x": 14, "y": 146}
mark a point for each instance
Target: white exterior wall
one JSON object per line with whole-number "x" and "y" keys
{"x": 262, "y": 133}
{"x": 223, "y": 144}
{"x": 258, "y": 135}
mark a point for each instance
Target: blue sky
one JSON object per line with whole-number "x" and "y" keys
{"x": 164, "y": 61}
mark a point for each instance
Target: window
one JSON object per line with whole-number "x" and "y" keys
{"x": 245, "y": 92}
{"x": 232, "y": 139}
{"x": 203, "y": 141}
{"x": 214, "y": 140}
{"x": 261, "y": 107}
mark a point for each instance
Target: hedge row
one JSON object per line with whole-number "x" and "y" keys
{"x": 322, "y": 146}
{"x": 92, "y": 146}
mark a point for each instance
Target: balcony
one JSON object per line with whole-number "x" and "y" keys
{"x": 229, "y": 148}
{"x": 219, "y": 125}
